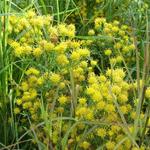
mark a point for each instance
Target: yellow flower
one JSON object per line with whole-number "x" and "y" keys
{"x": 85, "y": 145}
{"x": 26, "y": 105}
{"x": 101, "y": 105}
{"x": 62, "y": 99}
{"x": 62, "y": 60}
{"x": 92, "y": 79}
{"x": 62, "y": 29}
{"x": 132, "y": 47}
{"x": 122, "y": 33}
{"x": 53, "y": 32}
{"x": 37, "y": 52}
{"x": 93, "y": 63}
{"x": 99, "y": 22}
{"x": 119, "y": 72}
{"x": 110, "y": 145}
{"x": 116, "y": 22}
{"x": 123, "y": 98}
{"x": 26, "y": 96}
{"x": 116, "y": 89}
{"x": 124, "y": 109}
{"x": 147, "y": 93}
{"x": 90, "y": 91}
{"x": 118, "y": 45}
{"x": 91, "y": 32}
{"x": 84, "y": 52}
{"x": 24, "y": 86}
{"x": 27, "y": 50}
{"x": 18, "y": 51}
{"x": 32, "y": 81}
{"x": 61, "y": 47}
{"x": 82, "y": 101}
{"x": 75, "y": 56}
{"x": 30, "y": 14}
{"x": 40, "y": 81}
{"x": 89, "y": 115}
{"x": 115, "y": 128}
{"x": 33, "y": 93}
{"x": 19, "y": 101}
{"x": 108, "y": 52}
{"x": 102, "y": 78}
{"x": 14, "y": 44}
{"x": 74, "y": 44}
{"x": 110, "y": 108}
{"x": 55, "y": 78}
{"x": 107, "y": 30}
{"x": 62, "y": 85}
{"x": 60, "y": 109}
{"x": 49, "y": 47}
{"x": 109, "y": 72}
{"x": 97, "y": 96}
{"x": 83, "y": 64}
{"x": 71, "y": 32}
{"x": 81, "y": 111}
{"x": 115, "y": 29}
{"x": 119, "y": 59}
{"x": 81, "y": 78}
{"x": 32, "y": 71}
{"x": 37, "y": 22}
{"x": 113, "y": 61}
{"x": 110, "y": 133}
{"x": 101, "y": 132}
{"x": 133, "y": 115}
{"x": 126, "y": 49}
{"x": 37, "y": 105}
{"x": 16, "y": 110}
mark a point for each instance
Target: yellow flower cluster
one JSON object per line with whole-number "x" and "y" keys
{"x": 32, "y": 42}
{"x": 104, "y": 90}
{"x": 28, "y": 101}
{"x": 114, "y": 41}
{"x": 65, "y": 93}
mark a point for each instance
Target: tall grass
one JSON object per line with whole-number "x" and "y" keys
{"x": 4, "y": 74}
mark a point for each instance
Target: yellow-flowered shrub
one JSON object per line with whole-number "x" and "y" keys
{"x": 59, "y": 92}
{"x": 113, "y": 41}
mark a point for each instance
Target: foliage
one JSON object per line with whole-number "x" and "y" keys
{"x": 74, "y": 78}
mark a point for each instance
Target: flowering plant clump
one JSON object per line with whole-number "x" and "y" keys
{"x": 60, "y": 97}
{"x": 114, "y": 41}
{"x": 74, "y": 75}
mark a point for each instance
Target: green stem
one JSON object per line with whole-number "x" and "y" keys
{"x": 4, "y": 61}
{"x": 145, "y": 125}
{"x": 58, "y": 14}
{"x": 44, "y": 6}
{"x": 73, "y": 94}
{"x": 145, "y": 77}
